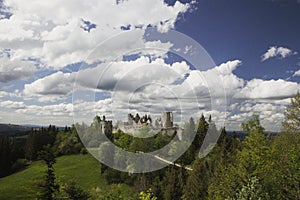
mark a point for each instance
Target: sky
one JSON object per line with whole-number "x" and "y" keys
{"x": 62, "y": 63}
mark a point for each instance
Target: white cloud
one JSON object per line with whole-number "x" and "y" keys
{"x": 16, "y": 93}
{"x": 150, "y": 86}
{"x": 47, "y": 110}
{"x": 221, "y": 79}
{"x": 268, "y": 89}
{"x": 12, "y": 104}
{"x": 297, "y": 73}
{"x": 14, "y": 69}
{"x": 57, "y": 39}
{"x": 143, "y": 85}
{"x": 270, "y": 113}
{"x": 274, "y": 51}
{"x": 119, "y": 76}
{"x": 54, "y": 84}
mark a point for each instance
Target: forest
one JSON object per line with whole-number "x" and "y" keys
{"x": 256, "y": 166}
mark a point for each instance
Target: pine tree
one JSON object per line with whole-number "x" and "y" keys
{"x": 197, "y": 182}
{"x": 224, "y": 143}
{"x": 173, "y": 184}
{"x": 201, "y": 132}
{"x": 252, "y": 160}
{"x": 5, "y": 155}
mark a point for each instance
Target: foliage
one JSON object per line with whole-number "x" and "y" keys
{"x": 37, "y": 140}
{"x": 173, "y": 184}
{"x": 115, "y": 192}
{"x": 252, "y": 160}
{"x": 67, "y": 143}
{"x": 291, "y": 123}
{"x": 252, "y": 125}
{"x": 285, "y": 167}
{"x": 49, "y": 186}
{"x": 201, "y": 132}
{"x": 148, "y": 195}
{"x": 19, "y": 165}
{"x": 252, "y": 190}
{"x": 7, "y": 155}
{"x": 196, "y": 185}
{"x": 257, "y": 167}
{"x": 83, "y": 169}
{"x": 74, "y": 192}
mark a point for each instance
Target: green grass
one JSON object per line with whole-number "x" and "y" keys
{"x": 83, "y": 169}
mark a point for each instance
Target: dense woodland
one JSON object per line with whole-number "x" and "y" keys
{"x": 259, "y": 166}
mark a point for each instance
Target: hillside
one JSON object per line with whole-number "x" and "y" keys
{"x": 12, "y": 129}
{"x": 83, "y": 169}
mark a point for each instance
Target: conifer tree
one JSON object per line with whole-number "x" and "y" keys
{"x": 201, "y": 132}
{"x": 173, "y": 184}
{"x": 49, "y": 187}
{"x": 197, "y": 182}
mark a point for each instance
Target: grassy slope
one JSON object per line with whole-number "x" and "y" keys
{"x": 83, "y": 169}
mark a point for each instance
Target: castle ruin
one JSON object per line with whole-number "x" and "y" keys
{"x": 105, "y": 126}
{"x": 167, "y": 119}
{"x": 165, "y": 124}
{"x": 137, "y": 122}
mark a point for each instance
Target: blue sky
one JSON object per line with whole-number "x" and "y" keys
{"x": 245, "y": 30}
{"x": 99, "y": 57}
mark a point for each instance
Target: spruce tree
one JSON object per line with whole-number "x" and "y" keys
{"x": 197, "y": 182}
{"x": 173, "y": 184}
{"x": 49, "y": 187}
{"x": 201, "y": 132}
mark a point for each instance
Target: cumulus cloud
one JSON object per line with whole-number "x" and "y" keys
{"x": 58, "y": 38}
{"x": 150, "y": 86}
{"x": 12, "y": 104}
{"x": 268, "y": 89}
{"x": 16, "y": 93}
{"x": 55, "y": 84}
{"x": 14, "y": 69}
{"x": 270, "y": 113}
{"x": 144, "y": 85}
{"x": 47, "y": 110}
{"x": 222, "y": 77}
{"x": 119, "y": 76}
{"x": 275, "y": 51}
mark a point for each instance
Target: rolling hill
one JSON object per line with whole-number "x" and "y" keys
{"x": 83, "y": 169}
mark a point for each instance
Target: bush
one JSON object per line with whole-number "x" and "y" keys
{"x": 19, "y": 165}
{"x": 74, "y": 192}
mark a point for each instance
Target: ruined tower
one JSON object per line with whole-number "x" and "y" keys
{"x": 167, "y": 119}
{"x": 106, "y": 126}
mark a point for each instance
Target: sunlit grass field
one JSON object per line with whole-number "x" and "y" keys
{"x": 83, "y": 169}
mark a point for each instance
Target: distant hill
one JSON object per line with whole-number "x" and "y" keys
{"x": 19, "y": 130}
{"x": 12, "y": 129}
{"x": 242, "y": 135}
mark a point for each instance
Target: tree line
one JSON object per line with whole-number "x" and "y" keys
{"x": 16, "y": 152}
{"x": 259, "y": 166}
